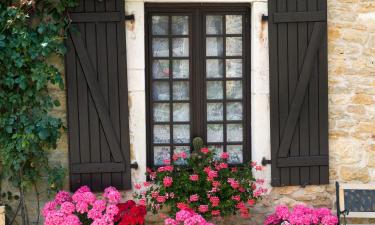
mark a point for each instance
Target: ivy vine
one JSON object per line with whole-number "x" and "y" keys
{"x": 31, "y": 31}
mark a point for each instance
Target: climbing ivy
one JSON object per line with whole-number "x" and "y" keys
{"x": 31, "y": 31}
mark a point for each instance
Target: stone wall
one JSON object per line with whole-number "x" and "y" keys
{"x": 351, "y": 53}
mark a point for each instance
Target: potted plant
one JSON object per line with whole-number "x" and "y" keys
{"x": 204, "y": 183}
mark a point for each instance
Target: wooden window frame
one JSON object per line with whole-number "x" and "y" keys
{"x": 197, "y": 84}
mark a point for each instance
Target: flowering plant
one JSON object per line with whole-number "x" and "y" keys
{"x": 83, "y": 208}
{"x": 130, "y": 213}
{"x": 187, "y": 217}
{"x": 301, "y": 215}
{"x": 204, "y": 183}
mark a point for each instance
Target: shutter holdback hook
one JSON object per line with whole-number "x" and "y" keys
{"x": 134, "y": 165}
{"x": 265, "y": 161}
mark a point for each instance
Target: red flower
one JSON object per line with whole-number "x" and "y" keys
{"x": 251, "y": 202}
{"x": 205, "y": 150}
{"x": 130, "y": 213}
{"x": 182, "y": 206}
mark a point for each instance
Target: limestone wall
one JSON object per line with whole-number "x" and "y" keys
{"x": 351, "y": 55}
{"x": 351, "y": 44}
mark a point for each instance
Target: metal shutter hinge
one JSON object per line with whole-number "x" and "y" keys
{"x": 265, "y": 161}
{"x": 134, "y": 165}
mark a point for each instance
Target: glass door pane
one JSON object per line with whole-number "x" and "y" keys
{"x": 170, "y": 85}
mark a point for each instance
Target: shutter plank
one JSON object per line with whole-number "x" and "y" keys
{"x": 293, "y": 78}
{"x": 97, "y": 168}
{"x": 71, "y": 69}
{"x": 83, "y": 112}
{"x": 300, "y": 17}
{"x": 124, "y": 124}
{"x": 95, "y": 17}
{"x": 274, "y": 95}
{"x": 113, "y": 90}
{"x": 93, "y": 116}
{"x": 103, "y": 81}
{"x": 313, "y": 105}
{"x": 302, "y": 161}
{"x": 304, "y": 115}
{"x": 323, "y": 99}
{"x": 282, "y": 44}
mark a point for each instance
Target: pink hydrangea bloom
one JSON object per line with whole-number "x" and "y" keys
{"x": 89, "y": 197}
{"x": 170, "y": 221}
{"x": 83, "y": 189}
{"x": 182, "y": 215}
{"x": 99, "y": 205}
{"x": 82, "y": 207}
{"x": 282, "y": 212}
{"x": 62, "y": 196}
{"x": 54, "y": 218}
{"x": 112, "y": 194}
{"x": 94, "y": 214}
{"x": 48, "y": 207}
{"x": 329, "y": 220}
{"x": 271, "y": 219}
{"x": 67, "y": 208}
{"x": 112, "y": 210}
{"x": 72, "y": 220}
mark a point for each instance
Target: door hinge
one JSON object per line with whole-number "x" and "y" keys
{"x": 265, "y": 161}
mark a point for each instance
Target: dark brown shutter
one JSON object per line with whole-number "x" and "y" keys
{"x": 298, "y": 91}
{"x": 98, "y": 96}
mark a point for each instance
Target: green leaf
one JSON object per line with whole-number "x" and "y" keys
{"x": 43, "y": 134}
{"x": 9, "y": 129}
{"x": 56, "y": 103}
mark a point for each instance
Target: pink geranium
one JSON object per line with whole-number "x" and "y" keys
{"x": 194, "y": 177}
{"x": 167, "y": 181}
{"x": 205, "y": 150}
{"x": 203, "y": 208}
{"x": 194, "y": 198}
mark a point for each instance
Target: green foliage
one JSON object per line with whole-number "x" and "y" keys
{"x": 30, "y": 32}
{"x": 206, "y": 175}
